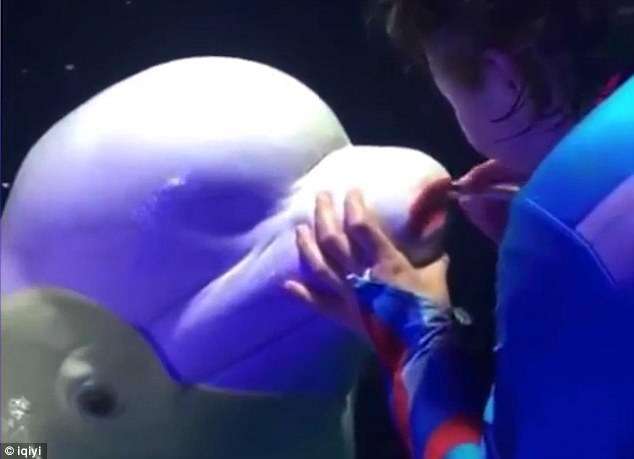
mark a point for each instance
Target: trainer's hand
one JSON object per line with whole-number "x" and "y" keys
{"x": 488, "y": 212}
{"x": 333, "y": 249}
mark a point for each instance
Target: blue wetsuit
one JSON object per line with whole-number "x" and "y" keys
{"x": 564, "y": 376}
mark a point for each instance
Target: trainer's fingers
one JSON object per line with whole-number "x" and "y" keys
{"x": 364, "y": 230}
{"x": 324, "y": 304}
{"x": 488, "y": 170}
{"x": 315, "y": 263}
{"x": 487, "y": 174}
{"x": 330, "y": 236}
{"x": 301, "y": 291}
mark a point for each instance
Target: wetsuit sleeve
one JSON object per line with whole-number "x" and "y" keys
{"x": 437, "y": 386}
{"x": 564, "y": 375}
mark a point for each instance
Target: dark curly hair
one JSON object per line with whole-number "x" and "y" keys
{"x": 560, "y": 38}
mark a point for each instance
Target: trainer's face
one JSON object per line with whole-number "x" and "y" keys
{"x": 496, "y": 114}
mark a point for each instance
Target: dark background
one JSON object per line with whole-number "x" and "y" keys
{"x": 58, "y": 53}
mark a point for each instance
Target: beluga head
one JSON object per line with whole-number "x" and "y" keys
{"x": 153, "y": 229}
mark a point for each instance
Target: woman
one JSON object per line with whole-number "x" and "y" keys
{"x": 520, "y": 76}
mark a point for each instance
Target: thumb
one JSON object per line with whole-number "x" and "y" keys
{"x": 487, "y": 174}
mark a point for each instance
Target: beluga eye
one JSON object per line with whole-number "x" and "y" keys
{"x": 97, "y": 400}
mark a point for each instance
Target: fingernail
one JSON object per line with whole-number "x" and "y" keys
{"x": 355, "y": 211}
{"x": 324, "y": 196}
{"x": 358, "y": 196}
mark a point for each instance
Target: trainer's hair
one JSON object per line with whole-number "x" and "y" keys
{"x": 548, "y": 38}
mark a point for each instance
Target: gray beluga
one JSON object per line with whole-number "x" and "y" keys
{"x": 76, "y": 377}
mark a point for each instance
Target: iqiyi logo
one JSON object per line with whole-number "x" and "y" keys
{"x": 23, "y": 450}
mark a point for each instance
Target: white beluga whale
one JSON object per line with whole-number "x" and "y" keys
{"x": 170, "y": 201}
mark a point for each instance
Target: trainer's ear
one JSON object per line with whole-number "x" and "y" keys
{"x": 502, "y": 68}
{"x": 504, "y": 82}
